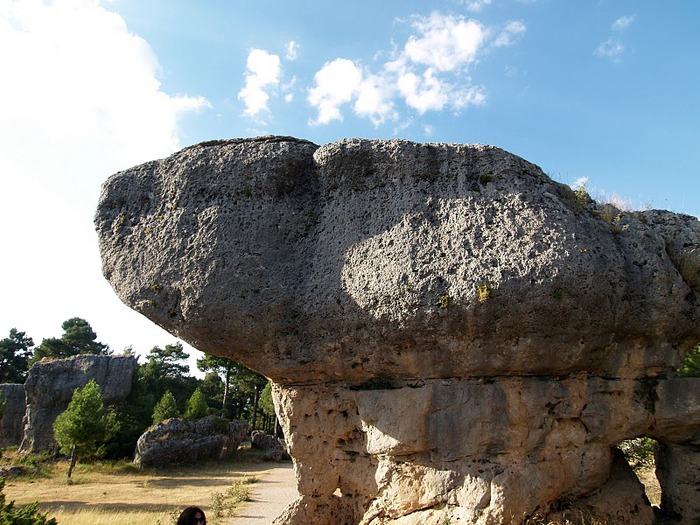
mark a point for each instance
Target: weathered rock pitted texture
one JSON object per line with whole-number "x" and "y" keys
{"x": 452, "y": 333}
{"x": 177, "y": 441}
{"x": 12, "y": 414}
{"x": 51, "y": 383}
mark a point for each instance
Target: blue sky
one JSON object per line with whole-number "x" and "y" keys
{"x": 602, "y": 92}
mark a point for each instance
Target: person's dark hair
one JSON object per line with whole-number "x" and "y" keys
{"x": 188, "y": 517}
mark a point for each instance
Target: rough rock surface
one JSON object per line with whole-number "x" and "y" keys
{"x": 50, "y": 386}
{"x": 177, "y": 441}
{"x": 273, "y": 447}
{"x": 12, "y": 414}
{"x": 452, "y": 334}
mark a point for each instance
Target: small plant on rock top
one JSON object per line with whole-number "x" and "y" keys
{"x": 483, "y": 293}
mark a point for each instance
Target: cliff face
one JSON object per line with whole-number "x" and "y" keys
{"x": 12, "y": 414}
{"x": 452, "y": 333}
{"x": 50, "y": 386}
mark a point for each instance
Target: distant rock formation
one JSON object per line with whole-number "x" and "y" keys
{"x": 12, "y": 414}
{"x": 177, "y": 441}
{"x": 50, "y": 386}
{"x": 273, "y": 448}
{"x": 453, "y": 336}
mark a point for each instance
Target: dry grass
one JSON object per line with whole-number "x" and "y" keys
{"x": 120, "y": 495}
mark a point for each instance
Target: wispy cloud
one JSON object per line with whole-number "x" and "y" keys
{"x": 475, "y": 5}
{"x": 612, "y": 48}
{"x": 623, "y": 22}
{"x": 510, "y": 34}
{"x": 292, "y": 51}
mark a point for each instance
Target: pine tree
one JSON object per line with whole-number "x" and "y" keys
{"x": 165, "y": 408}
{"x": 196, "y": 406}
{"x": 85, "y": 424}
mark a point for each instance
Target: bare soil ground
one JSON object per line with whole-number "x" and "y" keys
{"x": 275, "y": 489}
{"x": 103, "y": 495}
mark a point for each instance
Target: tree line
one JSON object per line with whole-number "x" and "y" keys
{"x": 162, "y": 386}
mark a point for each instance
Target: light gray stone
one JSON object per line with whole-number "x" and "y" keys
{"x": 452, "y": 334}
{"x": 12, "y": 414}
{"x": 177, "y": 441}
{"x": 50, "y": 385}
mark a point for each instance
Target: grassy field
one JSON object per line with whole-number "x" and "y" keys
{"x": 121, "y": 494}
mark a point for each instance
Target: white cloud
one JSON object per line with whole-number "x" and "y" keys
{"x": 423, "y": 93}
{"x": 427, "y": 74}
{"x": 623, "y": 22}
{"x": 337, "y": 82}
{"x": 475, "y": 5}
{"x": 581, "y": 182}
{"x": 374, "y": 100}
{"x": 611, "y": 48}
{"x": 80, "y": 99}
{"x": 510, "y": 34}
{"x": 292, "y": 51}
{"x": 445, "y": 42}
{"x": 262, "y": 71}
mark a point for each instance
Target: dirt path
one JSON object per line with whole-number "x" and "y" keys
{"x": 271, "y": 495}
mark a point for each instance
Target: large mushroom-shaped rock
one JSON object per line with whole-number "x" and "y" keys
{"x": 50, "y": 385}
{"x": 452, "y": 334}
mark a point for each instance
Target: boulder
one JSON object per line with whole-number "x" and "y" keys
{"x": 50, "y": 385}
{"x": 12, "y": 414}
{"x": 452, "y": 335}
{"x": 273, "y": 448}
{"x": 177, "y": 441}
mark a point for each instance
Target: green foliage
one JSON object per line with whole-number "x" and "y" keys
{"x": 29, "y": 515}
{"x": 690, "y": 367}
{"x": 213, "y": 388}
{"x": 166, "y": 408}
{"x": 85, "y": 424}
{"x": 266, "y": 403}
{"x": 639, "y": 452}
{"x": 166, "y": 364}
{"x": 15, "y": 354}
{"x": 196, "y": 406}
{"x": 242, "y": 386}
{"x": 78, "y": 338}
{"x": 165, "y": 370}
{"x": 224, "y": 503}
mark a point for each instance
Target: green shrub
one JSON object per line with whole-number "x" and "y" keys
{"x": 690, "y": 366}
{"x": 639, "y": 452}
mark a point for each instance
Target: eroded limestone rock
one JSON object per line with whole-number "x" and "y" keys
{"x": 177, "y": 441}
{"x": 50, "y": 385}
{"x": 452, "y": 334}
{"x": 12, "y": 414}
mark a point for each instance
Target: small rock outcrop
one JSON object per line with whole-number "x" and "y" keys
{"x": 452, "y": 335}
{"x": 50, "y": 386}
{"x": 273, "y": 448}
{"x": 12, "y": 414}
{"x": 177, "y": 441}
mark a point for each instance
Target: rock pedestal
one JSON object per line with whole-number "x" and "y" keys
{"x": 50, "y": 386}
{"x": 452, "y": 334}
